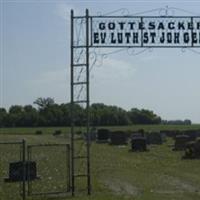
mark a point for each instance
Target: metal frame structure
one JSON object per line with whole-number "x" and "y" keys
{"x": 25, "y": 154}
{"x": 22, "y": 157}
{"x": 85, "y": 101}
{"x": 83, "y": 50}
{"x": 29, "y": 158}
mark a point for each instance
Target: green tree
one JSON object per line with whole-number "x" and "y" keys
{"x": 15, "y": 116}
{"x": 3, "y": 116}
{"x": 143, "y": 116}
{"x": 43, "y": 103}
{"x": 30, "y": 116}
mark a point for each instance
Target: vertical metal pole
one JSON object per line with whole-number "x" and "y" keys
{"x": 28, "y": 175}
{"x": 24, "y": 169}
{"x": 68, "y": 167}
{"x": 88, "y": 103}
{"x": 142, "y": 43}
{"x": 72, "y": 102}
{"x": 192, "y": 22}
{"x": 29, "y": 159}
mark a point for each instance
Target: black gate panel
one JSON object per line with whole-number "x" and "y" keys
{"x": 12, "y": 168}
{"x": 51, "y": 174}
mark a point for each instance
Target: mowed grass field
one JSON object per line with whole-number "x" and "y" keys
{"x": 117, "y": 173}
{"x": 50, "y": 130}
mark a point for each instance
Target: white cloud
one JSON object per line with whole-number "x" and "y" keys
{"x": 55, "y": 77}
{"x": 55, "y": 83}
{"x": 114, "y": 69}
{"x": 112, "y": 81}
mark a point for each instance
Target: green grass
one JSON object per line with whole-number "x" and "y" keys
{"x": 50, "y": 130}
{"x": 117, "y": 173}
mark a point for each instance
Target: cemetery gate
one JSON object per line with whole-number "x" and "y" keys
{"x": 89, "y": 34}
{"x": 12, "y": 157}
{"x": 53, "y": 169}
{"x": 27, "y": 171}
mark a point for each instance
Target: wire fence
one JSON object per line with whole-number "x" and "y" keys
{"x": 12, "y": 182}
{"x": 53, "y": 169}
{"x": 34, "y": 170}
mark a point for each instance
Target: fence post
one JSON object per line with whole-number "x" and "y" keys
{"x": 68, "y": 167}
{"x": 24, "y": 169}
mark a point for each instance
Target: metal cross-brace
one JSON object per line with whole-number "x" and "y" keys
{"x": 80, "y": 153}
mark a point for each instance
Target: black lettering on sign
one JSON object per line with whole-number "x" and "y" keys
{"x": 135, "y": 38}
{"x": 120, "y": 38}
{"x": 128, "y": 35}
{"x": 171, "y": 26}
{"x": 96, "y": 37}
{"x": 111, "y": 26}
{"x": 186, "y": 38}
{"x": 161, "y": 26}
{"x": 169, "y": 38}
{"x": 145, "y": 38}
{"x": 154, "y": 31}
{"x": 153, "y": 35}
{"x": 102, "y": 26}
{"x": 131, "y": 25}
{"x": 113, "y": 40}
{"x": 103, "y": 38}
{"x": 162, "y": 38}
{"x": 152, "y": 25}
{"x": 121, "y": 25}
{"x": 176, "y": 38}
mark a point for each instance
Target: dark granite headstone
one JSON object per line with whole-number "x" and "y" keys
{"x": 16, "y": 171}
{"x": 180, "y": 142}
{"x": 103, "y": 135}
{"x": 118, "y": 138}
{"x": 139, "y": 144}
{"x": 154, "y": 138}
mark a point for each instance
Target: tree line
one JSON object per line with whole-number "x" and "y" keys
{"x": 49, "y": 113}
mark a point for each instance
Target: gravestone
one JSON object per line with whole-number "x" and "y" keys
{"x": 192, "y": 134}
{"x": 180, "y": 142}
{"x": 17, "y": 173}
{"x": 138, "y": 144}
{"x": 93, "y": 134}
{"x": 197, "y": 148}
{"x": 198, "y": 133}
{"x": 170, "y": 133}
{"x": 192, "y": 149}
{"x": 163, "y": 136}
{"x": 118, "y": 138}
{"x": 103, "y": 135}
{"x": 154, "y": 138}
{"x": 136, "y": 134}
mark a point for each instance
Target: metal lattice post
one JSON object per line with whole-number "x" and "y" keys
{"x": 72, "y": 102}
{"x": 75, "y": 100}
{"x": 24, "y": 170}
{"x": 88, "y": 102}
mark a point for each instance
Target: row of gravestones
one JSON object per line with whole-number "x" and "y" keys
{"x": 188, "y": 141}
{"x": 183, "y": 140}
{"x": 139, "y": 140}
{"x": 189, "y": 144}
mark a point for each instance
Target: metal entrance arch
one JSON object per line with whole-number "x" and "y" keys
{"x": 124, "y": 31}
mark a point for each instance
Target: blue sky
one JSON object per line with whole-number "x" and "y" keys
{"x": 35, "y": 60}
